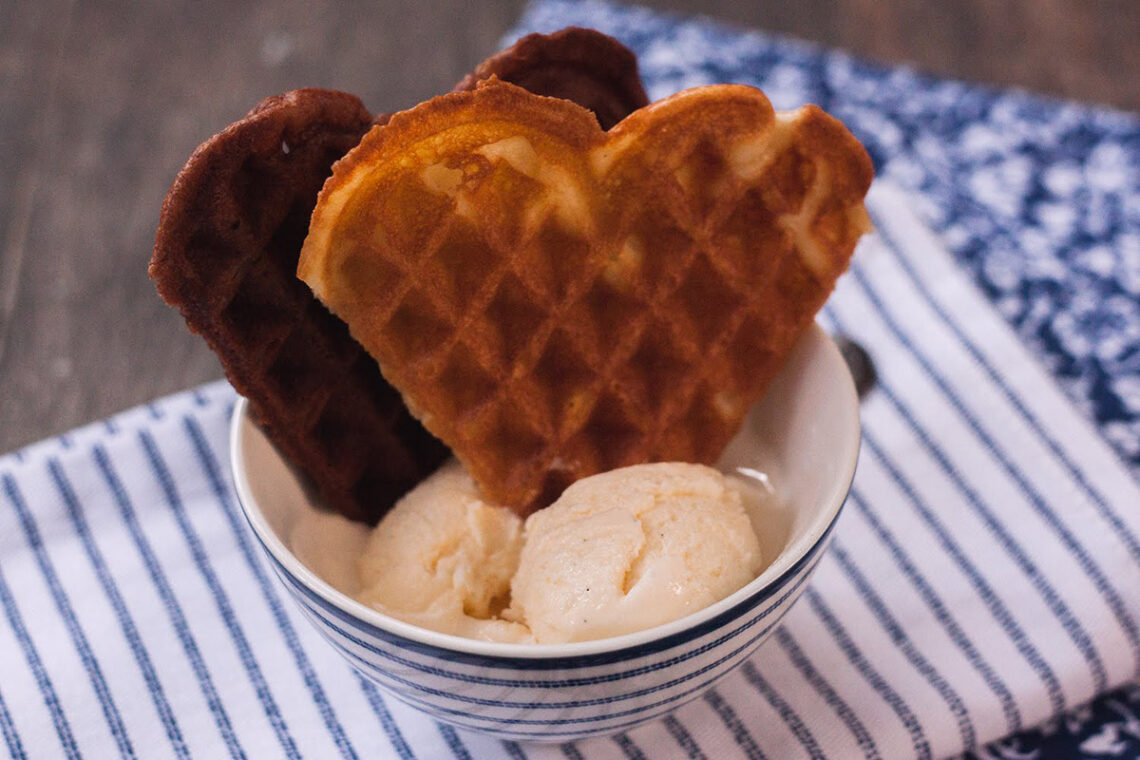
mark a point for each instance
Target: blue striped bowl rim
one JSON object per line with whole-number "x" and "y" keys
{"x": 766, "y": 593}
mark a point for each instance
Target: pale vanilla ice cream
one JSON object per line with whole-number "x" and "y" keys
{"x": 618, "y": 552}
{"x": 633, "y": 548}
{"x": 443, "y": 559}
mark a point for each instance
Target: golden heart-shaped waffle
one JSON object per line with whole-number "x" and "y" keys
{"x": 555, "y": 301}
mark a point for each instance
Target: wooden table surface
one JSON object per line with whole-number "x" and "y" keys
{"x": 101, "y": 103}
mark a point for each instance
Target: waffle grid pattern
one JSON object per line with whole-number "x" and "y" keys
{"x": 226, "y": 256}
{"x": 541, "y": 355}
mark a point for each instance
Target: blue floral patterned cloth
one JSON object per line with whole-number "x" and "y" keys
{"x": 1038, "y": 199}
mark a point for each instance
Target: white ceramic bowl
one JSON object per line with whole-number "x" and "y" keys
{"x": 804, "y": 436}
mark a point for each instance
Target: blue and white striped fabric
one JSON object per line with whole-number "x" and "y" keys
{"x": 982, "y": 578}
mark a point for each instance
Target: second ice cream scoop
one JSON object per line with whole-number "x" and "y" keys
{"x": 633, "y": 548}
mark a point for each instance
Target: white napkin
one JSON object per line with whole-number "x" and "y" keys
{"x": 984, "y": 574}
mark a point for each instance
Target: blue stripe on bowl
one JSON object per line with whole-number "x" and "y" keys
{"x": 580, "y": 718}
{"x": 554, "y": 663}
{"x": 565, "y": 729}
{"x": 723, "y": 668}
{"x": 321, "y": 604}
{"x": 377, "y": 673}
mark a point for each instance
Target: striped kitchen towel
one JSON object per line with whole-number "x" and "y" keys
{"x": 983, "y": 576}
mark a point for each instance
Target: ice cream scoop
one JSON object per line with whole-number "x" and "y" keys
{"x": 633, "y": 548}
{"x": 618, "y": 552}
{"x": 443, "y": 559}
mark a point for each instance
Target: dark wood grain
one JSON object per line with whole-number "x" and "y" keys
{"x": 100, "y": 103}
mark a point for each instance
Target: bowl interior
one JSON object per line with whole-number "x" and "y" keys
{"x": 801, "y": 442}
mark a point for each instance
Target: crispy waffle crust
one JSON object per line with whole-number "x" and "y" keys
{"x": 581, "y": 65}
{"x": 226, "y": 253}
{"x": 555, "y": 301}
{"x": 225, "y": 256}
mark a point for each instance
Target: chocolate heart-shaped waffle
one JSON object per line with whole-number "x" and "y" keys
{"x": 591, "y": 69}
{"x": 554, "y": 301}
{"x": 226, "y": 254}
